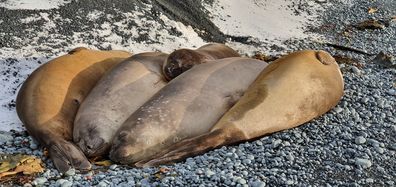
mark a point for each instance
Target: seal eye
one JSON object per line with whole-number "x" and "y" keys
{"x": 123, "y": 136}
{"x": 76, "y": 101}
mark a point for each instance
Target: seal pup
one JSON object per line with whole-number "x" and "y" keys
{"x": 182, "y": 60}
{"x": 48, "y": 101}
{"x": 188, "y": 106}
{"x": 116, "y": 96}
{"x": 289, "y": 92}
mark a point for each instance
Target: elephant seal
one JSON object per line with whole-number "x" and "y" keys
{"x": 182, "y": 60}
{"x": 48, "y": 101}
{"x": 289, "y": 92}
{"x": 116, "y": 96}
{"x": 188, "y": 106}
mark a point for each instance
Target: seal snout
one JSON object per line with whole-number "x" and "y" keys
{"x": 180, "y": 61}
{"x": 119, "y": 154}
{"x": 92, "y": 146}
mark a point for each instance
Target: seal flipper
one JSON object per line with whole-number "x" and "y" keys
{"x": 66, "y": 155}
{"x": 195, "y": 146}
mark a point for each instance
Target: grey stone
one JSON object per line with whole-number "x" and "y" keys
{"x": 70, "y": 172}
{"x": 364, "y": 163}
{"x": 67, "y": 184}
{"x": 5, "y": 137}
{"x": 355, "y": 70}
{"x": 258, "y": 183}
{"x": 39, "y": 181}
{"x": 338, "y": 109}
{"x": 59, "y": 182}
{"x": 209, "y": 173}
{"x": 104, "y": 183}
{"x": 360, "y": 140}
{"x": 276, "y": 143}
{"x": 113, "y": 167}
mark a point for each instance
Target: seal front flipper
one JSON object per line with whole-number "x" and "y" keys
{"x": 66, "y": 155}
{"x": 194, "y": 146}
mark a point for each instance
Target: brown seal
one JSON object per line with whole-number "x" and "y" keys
{"x": 182, "y": 60}
{"x": 48, "y": 101}
{"x": 289, "y": 92}
{"x": 117, "y": 95}
{"x": 188, "y": 106}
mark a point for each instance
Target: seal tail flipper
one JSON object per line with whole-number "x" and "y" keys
{"x": 66, "y": 155}
{"x": 193, "y": 146}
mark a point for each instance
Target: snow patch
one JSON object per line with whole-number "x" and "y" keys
{"x": 267, "y": 20}
{"x": 33, "y": 4}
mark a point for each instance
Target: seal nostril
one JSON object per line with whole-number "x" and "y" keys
{"x": 89, "y": 147}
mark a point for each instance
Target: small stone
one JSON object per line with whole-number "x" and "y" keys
{"x": 355, "y": 70}
{"x": 391, "y": 92}
{"x": 393, "y": 127}
{"x": 369, "y": 180}
{"x": 101, "y": 176}
{"x": 59, "y": 182}
{"x": 113, "y": 167}
{"x": 33, "y": 145}
{"x": 364, "y": 163}
{"x": 392, "y": 146}
{"x": 70, "y": 172}
{"x": 259, "y": 143}
{"x": 379, "y": 150}
{"x": 310, "y": 3}
{"x": 5, "y": 137}
{"x": 258, "y": 184}
{"x": 209, "y": 173}
{"x": 276, "y": 143}
{"x": 39, "y": 181}
{"x": 338, "y": 109}
{"x": 27, "y": 185}
{"x": 104, "y": 183}
{"x": 290, "y": 157}
{"x": 67, "y": 184}
{"x": 286, "y": 143}
{"x": 145, "y": 183}
{"x": 247, "y": 161}
{"x": 229, "y": 154}
{"x": 241, "y": 181}
{"x": 373, "y": 142}
{"x": 245, "y": 173}
{"x": 360, "y": 140}
{"x": 391, "y": 183}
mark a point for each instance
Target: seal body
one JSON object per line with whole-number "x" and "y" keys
{"x": 182, "y": 60}
{"x": 48, "y": 101}
{"x": 289, "y": 92}
{"x": 188, "y": 106}
{"x": 116, "y": 96}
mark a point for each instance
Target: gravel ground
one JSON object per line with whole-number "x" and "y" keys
{"x": 352, "y": 145}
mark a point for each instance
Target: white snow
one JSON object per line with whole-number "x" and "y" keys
{"x": 33, "y": 4}
{"x": 265, "y": 20}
